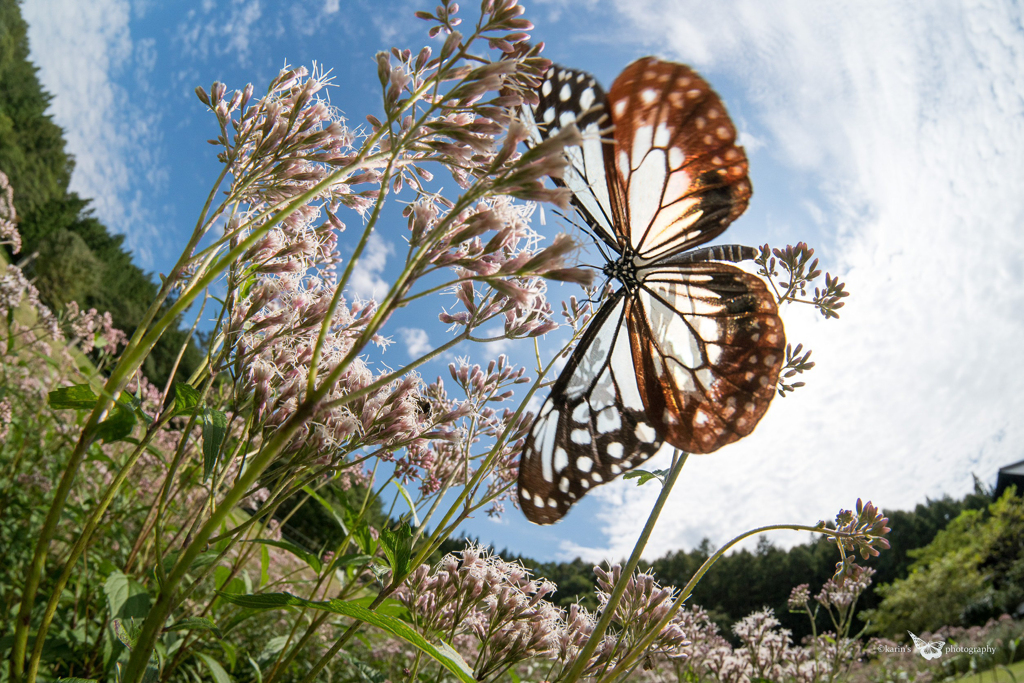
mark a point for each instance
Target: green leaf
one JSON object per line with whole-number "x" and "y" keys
{"x": 256, "y": 669}
{"x": 442, "y": 654}
{"x": 326, "y": 506}
{"x": 215, "y": 427}
{"x": 390, "y": 606}
{"x": 186, "y": 399}
{"x": 366, "y": 672}
{"x": 196, "y": 624}
{"x": 361, "y": 533}
{"x": 357, "y": 559}
{"x": 125, "y": 597}
{"x": 643, "y": 476}
{"x": 79, "y": 396}
{"x": 76, "y": 680}
{"x": 118, "y": 425}
{"x": 397, "y": 544}
{"x": 408, "y": 500}
{"x": 216, "y": 670}
{"x": 127, "y": 633}
{"x": 303, "y": 554}
{"x": 264, "y": 566}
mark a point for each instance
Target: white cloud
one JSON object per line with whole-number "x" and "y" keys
{"x": 224, "y": 29}
{"x": 81, "y": 49}
{"x": 416, "y": 341}
{"x": 907, "y": 118}
{"x": 366, "y": 282}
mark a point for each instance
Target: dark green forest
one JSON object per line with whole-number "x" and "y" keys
{"x": 69, "y": 254}
{"x": 746, "y": 581}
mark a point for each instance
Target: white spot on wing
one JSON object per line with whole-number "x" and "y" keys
{"x": 565, "y": 93}
{"x": 580, "y": 436}
{"x": 561, "y": 459}
{"x": 646, "y": 433}
{"x": 586, "y": 99}
{"x": 608, "y": 420}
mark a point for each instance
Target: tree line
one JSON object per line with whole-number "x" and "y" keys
{"x": 67, "y": 252}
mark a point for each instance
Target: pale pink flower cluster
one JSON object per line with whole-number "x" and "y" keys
{"x": 6, "y": 415}
{"x": 92, "y": 329}
{"x": 8, "y": 217}
{"x": 510, "y": 263}
{"x": 843, "y": 592}
{"x": 499, "y": 618}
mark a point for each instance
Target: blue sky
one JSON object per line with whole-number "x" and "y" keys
{"x": 889, "y": 136}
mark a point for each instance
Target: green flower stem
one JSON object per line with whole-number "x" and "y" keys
{"x": 131, "y": 360}
{"x": 80, "y": 546}
{"x": 583, "y": 658}
{"x": 646, "y": 641}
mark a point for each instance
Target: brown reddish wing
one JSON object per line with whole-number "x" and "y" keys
{"x": 708, "y": 345}
{"x": 680, "y": 177}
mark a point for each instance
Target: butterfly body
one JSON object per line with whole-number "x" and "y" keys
{"x": 688, "y": 350}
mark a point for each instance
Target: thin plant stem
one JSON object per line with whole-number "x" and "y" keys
{"x": 583, "y": 658}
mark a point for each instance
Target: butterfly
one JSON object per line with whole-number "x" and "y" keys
{"x": 928, "y": 650}
{"x": 689, "y": 349}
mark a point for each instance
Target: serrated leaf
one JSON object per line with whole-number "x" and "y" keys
{"x": 390, "y": 606}
{"x": 127, "y": 633}
{"x": 343, "y": 561}
{"x": 126, "y": 598}
{"x": 643, "y": 476}
{"x": 186, "y": 399}
{"x": 365, "y": 671}
{"x": 196, "y": 624}
{"x": 309, "y": 558}
{"x": 117, "y": 426}
{"x": 443, "y": 653}
{"x": 397, "y": 544}
{"x": 79, "y": 396}
{"x": 215, "y": 428}
{"x": 216, "y": 670}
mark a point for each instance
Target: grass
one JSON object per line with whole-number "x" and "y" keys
{"x": 997, "y": 675}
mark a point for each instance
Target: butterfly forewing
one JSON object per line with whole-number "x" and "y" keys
{"x": 592, "y": 427}
{"x": 568, "y": 96}
{"x": 684, "y": 179}
{"x": 708, "y": 345}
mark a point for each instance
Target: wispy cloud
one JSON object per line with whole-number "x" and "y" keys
{"x": 223, "y": 29}
{"x": 904, "y": 121}
{"x": 416, "y": 341}
{"x": 366, "y": 281}
{"x": 82, "y": 49}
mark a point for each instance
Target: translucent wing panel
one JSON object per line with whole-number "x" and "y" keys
{"x": 684, "y": 178}
{"x": 592, "y": 427}
{"x": 708, "y": 345}
{"x": 570, "y": 96}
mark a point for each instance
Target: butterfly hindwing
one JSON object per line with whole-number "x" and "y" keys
{"x": 708, "y": 345}
{"x": 684, "y": 178}
{"x": 593, "y": 425}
